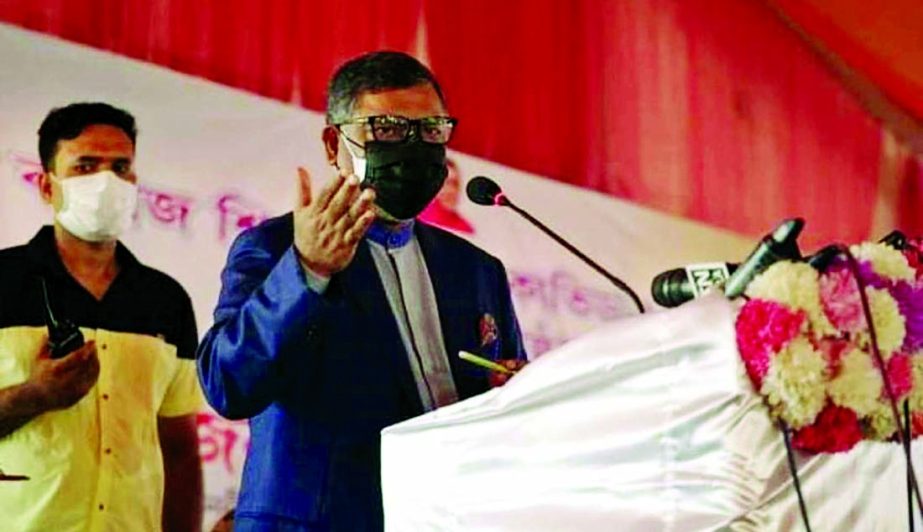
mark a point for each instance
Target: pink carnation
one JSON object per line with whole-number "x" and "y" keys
{"x": 842, "y": 304}
{"x": 835, "y": 430}
{"x": 866, "y": 272}
{"x": 763, "y": 329}
{"x": 900, "y": 375}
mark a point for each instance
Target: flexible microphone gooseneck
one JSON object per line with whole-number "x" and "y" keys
{"x": 484, "y": 191}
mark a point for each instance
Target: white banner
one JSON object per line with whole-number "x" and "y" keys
{"x": 213, "y": 161}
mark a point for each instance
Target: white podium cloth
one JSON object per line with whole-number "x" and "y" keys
{"x": 647, "y": 424}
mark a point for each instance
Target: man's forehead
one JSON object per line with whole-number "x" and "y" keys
{"x": 98, "y": 141}
{"x": 413, "y": 102}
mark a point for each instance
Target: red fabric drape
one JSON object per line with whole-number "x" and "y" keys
{"x": 712, "y": 110}
{"x": 283, "y": 49}
{"x": 882, "y": 40}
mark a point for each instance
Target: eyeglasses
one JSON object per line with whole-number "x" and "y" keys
{"x": 387, "y": 128}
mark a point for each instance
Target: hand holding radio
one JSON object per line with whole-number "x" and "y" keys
{"x": 61, "y": 382}
{"x": 66, "y": 368}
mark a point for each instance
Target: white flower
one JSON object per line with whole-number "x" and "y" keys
{"x": 794, "y": 384}
{"x": 881, "y": 425}
{"x": 859, "y": 384}
{"x": 890, "y": 326}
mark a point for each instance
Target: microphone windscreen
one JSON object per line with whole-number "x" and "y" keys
{"x": 672, "y": 288}
{"x": 483, "y": 190}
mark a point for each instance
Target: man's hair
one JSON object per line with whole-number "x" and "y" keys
{"x": 66, "y": 123}
{"x": 372, "y": 72}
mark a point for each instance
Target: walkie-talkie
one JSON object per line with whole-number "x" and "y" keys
{"x": 63, "y": 336}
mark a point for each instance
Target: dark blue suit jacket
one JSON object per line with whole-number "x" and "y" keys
{"x": 320, "y": 375}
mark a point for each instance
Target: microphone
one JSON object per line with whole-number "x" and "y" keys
{"x": 674, "y": 287}
{"x": 485, "y": 191}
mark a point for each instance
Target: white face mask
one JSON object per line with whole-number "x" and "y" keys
{"x": 97, "y": 207}
{"x": 359, "y": 163}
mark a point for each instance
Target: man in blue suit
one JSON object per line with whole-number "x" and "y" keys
{"x": 347, "y": 315}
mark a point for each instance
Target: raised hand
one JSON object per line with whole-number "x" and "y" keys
{"x": 328, "y": 228}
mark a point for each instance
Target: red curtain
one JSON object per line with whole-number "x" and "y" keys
{"x": 283, "y": 49}
{"x": 882, "y": 40}
{"x": 712, "y": 110}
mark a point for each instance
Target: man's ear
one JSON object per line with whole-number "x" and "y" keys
{"x": 45, "y": 185}
{"x": 331, "y": 144}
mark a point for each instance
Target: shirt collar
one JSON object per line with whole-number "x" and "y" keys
{"x": 44, "y": 252}
{"x": 390, "y": 236}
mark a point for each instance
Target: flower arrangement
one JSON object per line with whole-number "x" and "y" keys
{"x": 807, "y": 348}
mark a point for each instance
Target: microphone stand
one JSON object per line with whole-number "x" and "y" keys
{"x": 502, "y": 200}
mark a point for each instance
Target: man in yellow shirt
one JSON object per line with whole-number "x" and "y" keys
{"x": 105, "y": 432}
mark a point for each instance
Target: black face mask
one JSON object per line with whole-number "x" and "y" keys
{"x": 406, "y": 176}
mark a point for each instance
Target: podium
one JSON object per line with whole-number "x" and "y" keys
{"x": 649, "y": 423}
